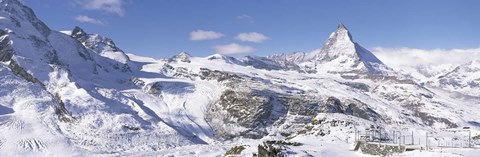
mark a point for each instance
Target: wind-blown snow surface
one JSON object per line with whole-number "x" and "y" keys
{"x": 78, "y": 94}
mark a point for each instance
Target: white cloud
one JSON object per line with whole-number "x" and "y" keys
{"x": 204, "y": 35}
{"x": 252, "y": 37}
{"x": 86, "y": 19}
{"x": 110, "y": 6}
{"x": 232, "y": 48}
{"x": 403, "y": 57}
{"x": 247, "y": 18}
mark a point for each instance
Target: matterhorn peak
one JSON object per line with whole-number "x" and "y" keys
{"x": 341, "y": 27}
{"x": 340, "y": 35}
{"x": 340, "y": 54}
{"x": 339, "y": 43}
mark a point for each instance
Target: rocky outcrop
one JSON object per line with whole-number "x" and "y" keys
{"x": 6, "y": 52}
{"x": 18, "y": 70}
{"x": 217, "y": 75}
{"x": 62, "y": 112}
{"x": 269, "y": 150}
{"x": 154, "y": 88}
{"x": 302, "y": 104}
{"x": 79, "y": 34}
{"x": 275, "y": 148}
{"x": 352, "y": 107}
{"x": 332, "y": 105}
{"x": 241, "y": 109}
{"x": 361, "y": 111}
{"x": 380, "y": 149}
{"x": 249, "y": 108}
{"x": 247, "y": 104}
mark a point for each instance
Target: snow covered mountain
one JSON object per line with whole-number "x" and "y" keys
{"x": 340, "y": 54}
{"x": 102, "y": 45}
{"x": 78, "y": 94}
{"x": 464, "y": 78}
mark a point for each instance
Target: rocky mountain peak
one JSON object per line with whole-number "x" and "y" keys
{"x": 342, "y": 33}
{"x": 78, "y": 33}
{"x": 339, "y": 43}
{"x": 99, "y": 44}
{"x": 341, "y": 54}
{"x": 181, "y": 57}
{"x": 20, "y": 15}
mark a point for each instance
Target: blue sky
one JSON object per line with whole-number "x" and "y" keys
{"x": 162, "y": 28}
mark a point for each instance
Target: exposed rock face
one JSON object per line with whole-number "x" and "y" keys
{"x": 262, "y": 63}
{"x": 301, "y": 104}
{"x": 247, "y": 104}
{"x": 18, "y": 70}
{"x": 62, "y": 112}
{"x": 250, "y": 109}
{"x": 79, "y": 34}
{"x": 6, "y": 51}
{"x": 361, "y": 110}
{"x": 269, "y": 150}
{"x": 154, "y": 88}
{"x": 377, "y": 149}
{"x": 332, "y": 105}
{"x": 216, "y": 75}
{"x": 349, "y": 107}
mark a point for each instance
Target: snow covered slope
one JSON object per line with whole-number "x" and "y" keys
{"x": 75, "y": 93}
{"x": 464, "y": 78}
{"x": 92, "y": 96}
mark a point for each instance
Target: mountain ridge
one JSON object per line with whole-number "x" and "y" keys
{"x": 83, "y": 96}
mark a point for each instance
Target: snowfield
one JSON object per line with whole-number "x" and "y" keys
{"x": 72, "y": 93}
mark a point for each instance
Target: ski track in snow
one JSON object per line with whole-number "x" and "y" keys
{"x": 32, "y": 145}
